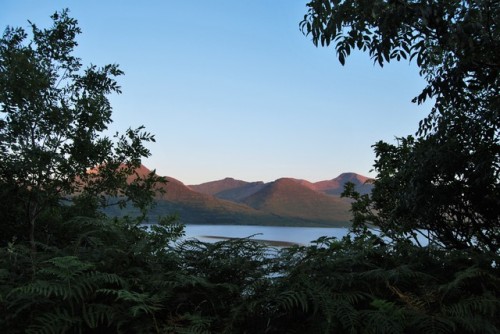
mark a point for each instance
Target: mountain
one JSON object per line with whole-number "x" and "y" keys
{"x": 287, "y": 197}
{"x": 240, "y": 193}
{"x": 214, "y": 187}
{"x": 229, "y": 189}
{"x": 237, "y": 190}
{"x": 336, "y": 186}
{"x": 286, "y": 201}
{"x": 198, "y": 208}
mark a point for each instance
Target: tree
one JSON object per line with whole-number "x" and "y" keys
{"x": 446, "y": 181}
{"x": 52, "y": 115}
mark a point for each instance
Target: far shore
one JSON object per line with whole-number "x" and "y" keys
{"x": 276, "y": 243}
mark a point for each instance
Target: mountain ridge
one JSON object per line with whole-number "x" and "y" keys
{"x": 285, "y": 201}
{"x": 334, "y": 186}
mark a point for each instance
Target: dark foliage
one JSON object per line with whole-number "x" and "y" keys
{"x": 446, "y": 181}
{"x": 53, "y": 113}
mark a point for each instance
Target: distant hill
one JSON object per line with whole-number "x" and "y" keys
{"x": 214, "y": 187}
{"x": 286, "y": 201}
{"x": 198, "y": 208}
{"x": 237, "y": 190}
{"x": 228, "y": 188}
{"x": 336, "y": 185}
{"x": 287, "y": 197}
{"x": 305, "y": 183}
{"x": 240, "y": 193}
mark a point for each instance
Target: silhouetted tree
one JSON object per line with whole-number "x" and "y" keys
{"x": 445, "y": 181}
{"x": 53, "y": 114}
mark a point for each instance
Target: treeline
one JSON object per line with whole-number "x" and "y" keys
{"x": 67, "y": 268}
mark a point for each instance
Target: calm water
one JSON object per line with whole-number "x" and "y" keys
{"x": 300, "y": 235}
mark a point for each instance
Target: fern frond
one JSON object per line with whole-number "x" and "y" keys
{"x": 469, "y": 276}
{"x": 141, "y": 302}
{"x": 41, "y": 288}
{"x": 381, "y": 321}
{"x": 410, "y": 299}
{"x": 135, "y": 310}
{"x": 476, "y": 324}
{"x": 293, "y": 299}
{"x": 352, "y": 297}
{"x": 479, "y": 305}
{"x": 196, "y": 324}
{"x": 65, "y": 267}
{"x": 100, "y": 278}
{"x": 53, "y": 322}
{"x": 96, "y": 314}
{"x": 347, "y": 315}
{"x": 432, "y": 324}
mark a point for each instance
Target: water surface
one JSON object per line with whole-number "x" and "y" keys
{"x": 299, "y": 235}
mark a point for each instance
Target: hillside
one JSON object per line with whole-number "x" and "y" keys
{"x": 197, "y": 208}
{"x": 336, "y": 186}
{"x": 240, "y": 193}
{"x": 286, "y": 201}
{"x": 286, "y": 197}
{"x": 214, "y": 187}
{"x": 237, "y": 190}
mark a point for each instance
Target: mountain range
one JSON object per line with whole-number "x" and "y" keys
{"x": 285, "y": 201}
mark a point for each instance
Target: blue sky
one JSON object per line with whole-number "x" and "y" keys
{"x": 234, "y": 89}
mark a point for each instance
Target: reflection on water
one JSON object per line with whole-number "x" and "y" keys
{"x": 299, "y": 235}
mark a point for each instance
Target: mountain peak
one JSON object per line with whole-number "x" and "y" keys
{"x": 288, "y": 198}
{"x": 214, "y": 187}
{"x": 336, "y": 186}
{"x": 352, "y": 177}
{"x": 142, "y": 170}
{"x": 284, "y": 201}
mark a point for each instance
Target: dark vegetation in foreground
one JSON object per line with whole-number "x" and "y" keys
{"x": 66, "y": 268}
{"x": 113, "y": 276}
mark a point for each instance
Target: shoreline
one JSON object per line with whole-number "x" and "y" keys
{"x": 276, "y": 243}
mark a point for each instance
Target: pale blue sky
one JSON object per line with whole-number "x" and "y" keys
{"x": 234, "y": 89}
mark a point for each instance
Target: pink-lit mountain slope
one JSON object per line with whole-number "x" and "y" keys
{"x": 285, "y": 201}
{"x": 196, "y": 208}
{"x": 229, "y": 189}
{"x": 336, "y": 186}
{"x": 237, "y": 190}
{"x": 214, "y": 187}
{"x": 286, "y": 197}
{"x": 177, "y": 192}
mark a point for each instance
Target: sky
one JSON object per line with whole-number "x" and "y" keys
{"x": 234, "y": 88}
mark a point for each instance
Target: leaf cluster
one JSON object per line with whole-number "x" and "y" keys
{"x": 53, "y": 113}
{"x": 445, "y": 181}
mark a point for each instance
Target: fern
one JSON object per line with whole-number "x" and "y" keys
{"x": 470, "y": 277}
{"x": 476, "y": 324}
{"x": 47, "y": 289}
{"x": 419, "y": 303}
{"x": 191, "y": 323}
{"x": 432, "y": 324}
{"x": 479, "y": 305}
{"x": 347, "y": 316}
{"x": 140, "y": 302}
{"x": 113, "y": 277}
{"x": 56, "y": 321}
{"x": 381, "y": 321}
{"x": 290, "y": 300}
{"x": 95, "y": 315}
